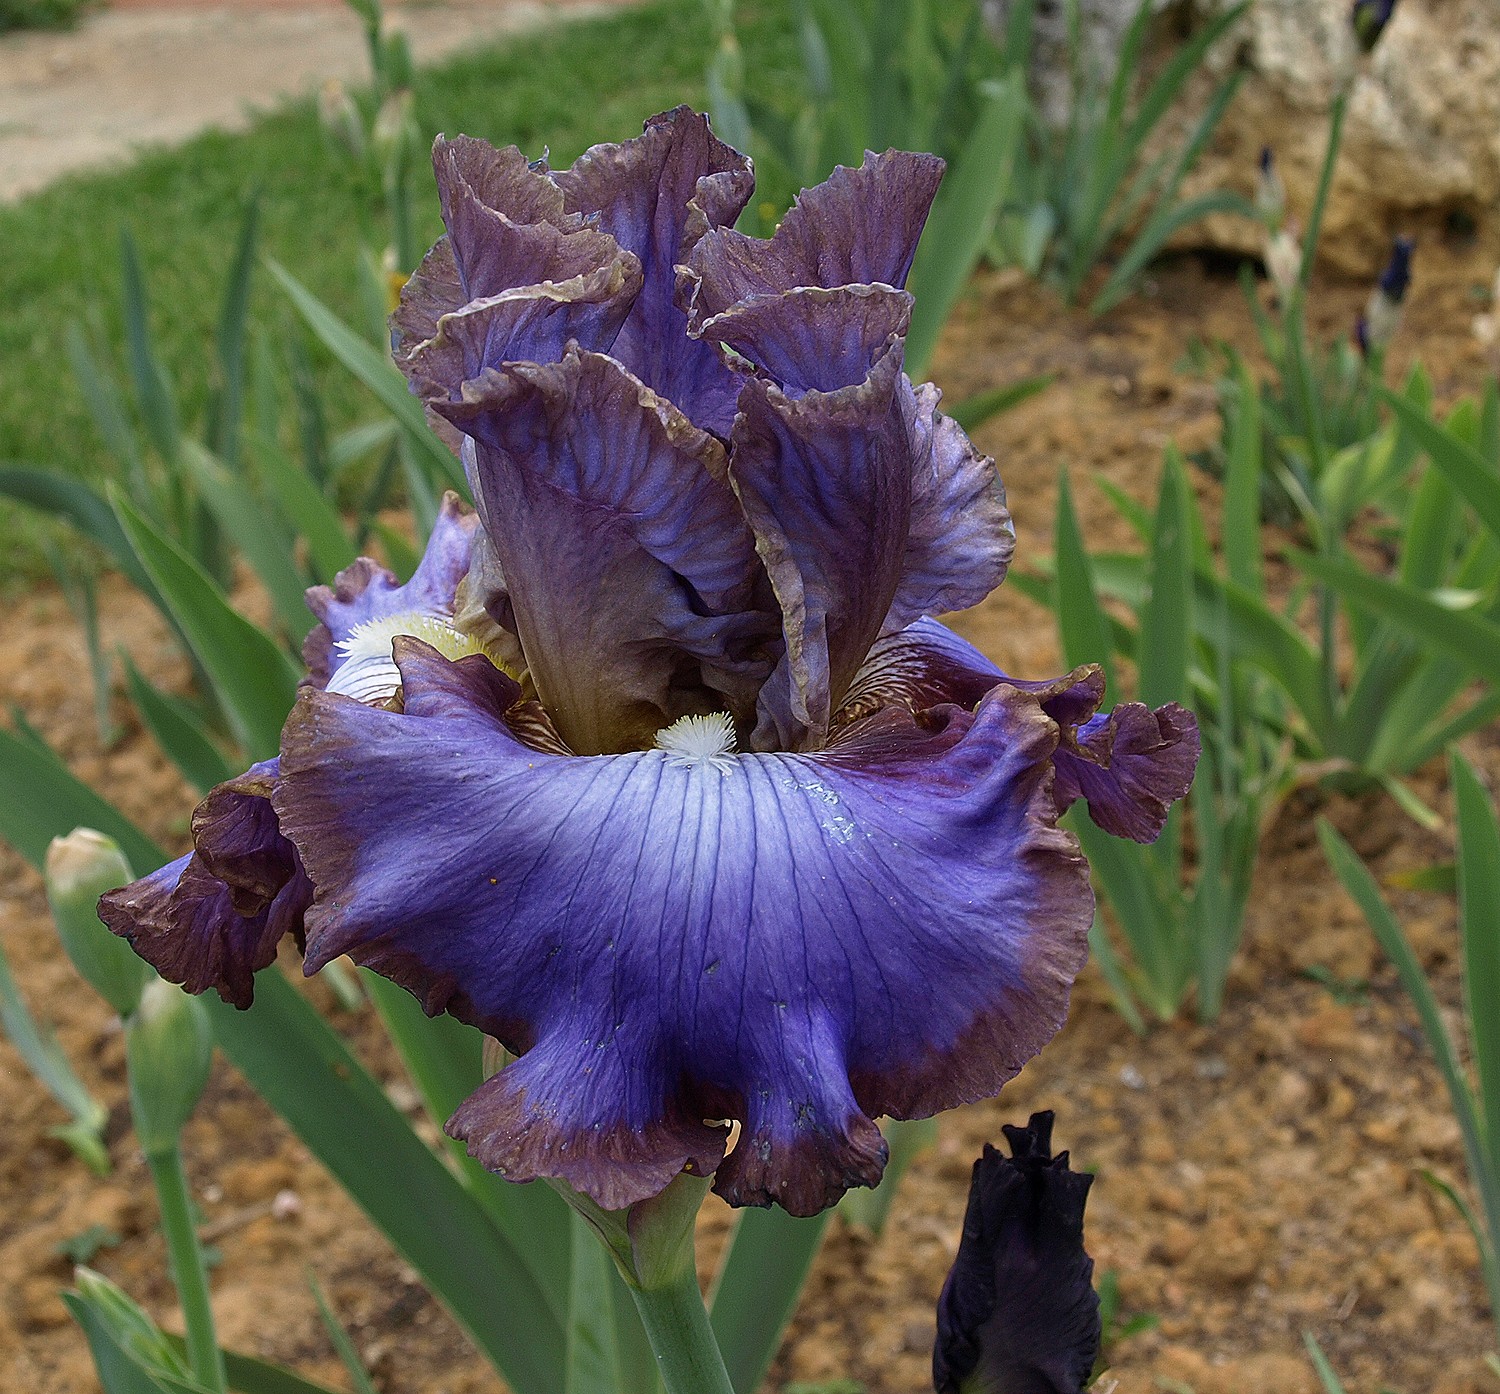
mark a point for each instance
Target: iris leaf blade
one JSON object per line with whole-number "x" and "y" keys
{"x": 1479, "y": 918}
{"x": 756, "y": 1290}
{"x": 251, "y": 673}
{"x": 963, "y": 218}
{"x": 264, "y": 545}
{"x": 1167, "y": 620}
{"x": 592, "y": 1364}
{"x": 1463, "y": 466}
{"x": 377, "y": 372}
{"x": 1361, "y": 886}
{"x": 176, "y": 731}
{"x": 1080, "y": 618}
{"x": 1471, "y": 638}
{"x": 40, "y": 798}
{"x": 293, "y": 1059}
{"x": 306, "y": 507}
{"x": 82, "y": 506}
{"x": 1242, "y": 479}
{"x": 444, "y": 1058}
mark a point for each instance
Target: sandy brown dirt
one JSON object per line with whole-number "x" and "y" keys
{"x": 150, "y": 73}
{"x": 1256, "y": 1178}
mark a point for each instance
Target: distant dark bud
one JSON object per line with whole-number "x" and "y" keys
{"x": 1270, "y": 192}
{"x": 1018, "y": 1313}
{"x": 1397, "y": 274}
{"x": 1382, "y": 316}
{"x": 1369, "y": 18}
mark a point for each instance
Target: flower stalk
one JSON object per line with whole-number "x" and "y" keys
{"x": 168, "y": 1050}
{"x": 651, "y": 1244}
{"x": 185, "y": 1255}
{"x": 676, "y": 1323}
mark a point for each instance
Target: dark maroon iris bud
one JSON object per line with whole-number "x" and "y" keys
{"x": 1369, "y": 18}
{"x": 1018, "y": 1313}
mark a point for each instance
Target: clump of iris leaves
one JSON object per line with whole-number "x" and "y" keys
{"x": 289, "y": 455}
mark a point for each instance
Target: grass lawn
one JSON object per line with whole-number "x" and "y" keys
{"x": 560, "y": 91}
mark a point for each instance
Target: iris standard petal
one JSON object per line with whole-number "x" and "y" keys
{"x": 798, "y": 943}
{"x": 858, "y": 227}
{"x": 656, "y": 196}
{"x": 825, "y": 482}
{"x": 810, "y": 339}
{"x": 1130, "y": 764}
{"x": 961, "y": 537}
{"x": 215, "y": 917}
{"x": 517, "y": 277}
{"x": 628, "y": 566}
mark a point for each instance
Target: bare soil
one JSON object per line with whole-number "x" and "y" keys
{"x": 1257, "y": 1177}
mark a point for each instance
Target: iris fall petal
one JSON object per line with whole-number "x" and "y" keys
{"x": 799, "y": 943}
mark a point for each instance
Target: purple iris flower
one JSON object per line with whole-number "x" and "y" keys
{"x": 720, "y": 833}
{"x": 1018, "y": 1313}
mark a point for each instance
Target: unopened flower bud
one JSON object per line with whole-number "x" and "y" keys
{"x": 1284, "y": 262}
{"x": 1382, "y": 314}
{"x": 340, "y": 118}
{"x": 1018, "y": 1313}
{"x": 80, "y": 868}
{"x": 1270, "y": 192}
{"x": 391, "y": 136}
{"x": 1369, "y": 18}
{"x": 168, "y": 1048}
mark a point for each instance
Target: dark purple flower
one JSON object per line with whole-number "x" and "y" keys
{"x": 739, "y": 833}
{"x": 215, "y": 917}
{"x": 1018, "y": 1313}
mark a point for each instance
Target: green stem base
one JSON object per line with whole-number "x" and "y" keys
{"x": 676, "y": 1323}
{"x": 204, "y": 1356}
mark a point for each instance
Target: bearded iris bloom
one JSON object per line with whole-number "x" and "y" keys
{"x": 716, "y": 830}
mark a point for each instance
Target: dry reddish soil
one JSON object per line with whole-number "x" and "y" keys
{"x": 1257, "y": 1177}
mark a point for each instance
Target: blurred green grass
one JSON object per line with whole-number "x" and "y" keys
{"x": 557, "y": 91}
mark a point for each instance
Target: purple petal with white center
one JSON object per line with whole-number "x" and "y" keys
{"x": 214, "y": 918}
{"x": 366, "y": 591}
{"x": 961, "y": 538}
{"x": 858, "y": 227}
{"x": 1130, "y": 764}
{"x": 800, "y": 943}
{"x": 629, "y": 570}
{"x": 825, "y": 481}
{"x": 656, "y": 196}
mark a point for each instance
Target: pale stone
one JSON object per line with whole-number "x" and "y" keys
{"x": 1422, "y": 138}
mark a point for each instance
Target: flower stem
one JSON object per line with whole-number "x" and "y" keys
{"x": 676, "y": 1323}
{"x": 186, "y": 1258}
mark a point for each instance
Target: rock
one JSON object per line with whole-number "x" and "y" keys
{"x": 1422, "y": 137}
